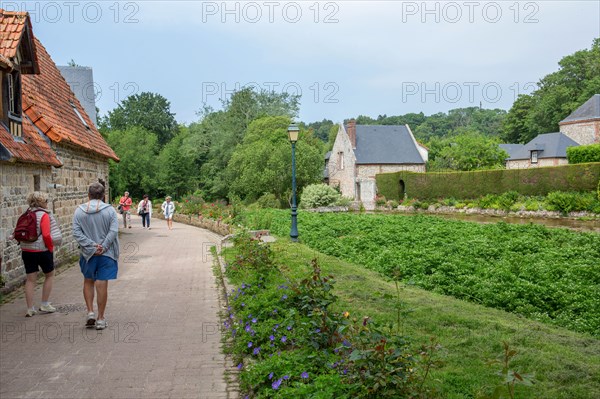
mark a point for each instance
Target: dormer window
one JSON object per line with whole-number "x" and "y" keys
{"x": 534, "y": 156}
{"x": 12, "y": 111}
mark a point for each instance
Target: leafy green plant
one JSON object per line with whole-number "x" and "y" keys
{"x": 317, "y": 195}
{"x": 509, "y": 377}
{"x": 267, "y": 200}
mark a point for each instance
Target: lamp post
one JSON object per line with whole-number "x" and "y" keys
{"x": 293, "y": 131}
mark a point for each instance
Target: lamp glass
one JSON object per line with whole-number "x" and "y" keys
{"x": 293, "y": 131}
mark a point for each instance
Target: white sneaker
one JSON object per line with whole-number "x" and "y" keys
{"x": 100, "y": 324}
{"x": 30, "y": 312}
{"x": 47, "y": 308}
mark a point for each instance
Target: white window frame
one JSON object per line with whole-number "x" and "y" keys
{"x": 534, "y": 156}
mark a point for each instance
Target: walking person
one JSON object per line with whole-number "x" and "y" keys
{"x": 144, "y": 209}
{"x": 96, "y": 229}
{"x": 125, "y": 204}
{"x": 168, "y": 208}
{"x": 40, "y": 253}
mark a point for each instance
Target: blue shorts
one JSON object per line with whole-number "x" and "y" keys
{"x": 99, "y": 268}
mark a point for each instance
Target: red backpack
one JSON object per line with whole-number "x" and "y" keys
{"x": 26, "y": 228}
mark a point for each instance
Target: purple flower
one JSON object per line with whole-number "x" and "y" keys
{"x": 283, "y": 339}
{"x": 272, "y": 337}
{"x": 254, "y": 320}
{"x": 250, "y": 344}
{"x": 256, "y": 350}
{"x": 318, "y": 330}
{"x": 276, "y": 384}
{"x": 239, "y": 366}
{"x": 284, "y": 297}
{"x": 247, "y": 328}
{"x": 286, "y": 377}
{"x": 243, "y": 304}
{"x": 289, "y": 328}
{"x": 304, "y": 375}
{"x": 345, "y": 371}
{"x": 271, "y": 375}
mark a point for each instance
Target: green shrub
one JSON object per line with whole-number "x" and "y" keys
{"x": 467, "y": 185}
{"x": 584, "y": 154}
{"x": 316, "y": 195}
{"x": 267, "y": 200}
{"x": 566, "y": 202}
{"x": 344, "y": 201}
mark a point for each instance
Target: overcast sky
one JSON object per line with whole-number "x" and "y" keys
{"x": 346, "y": 58}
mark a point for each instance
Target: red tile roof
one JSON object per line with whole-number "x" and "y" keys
{"x": 11, "y": 29}
{"x": 48, "y": 104}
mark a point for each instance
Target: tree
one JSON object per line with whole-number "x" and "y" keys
{"x": 177, "y": 173}
{"x": 558, "y": 94}
{"x": 136, "y": 147}
{"x": 149, "y": 111}
{"x": 262, "y": 163}
{"x": 220, "y": 132}
{"x": 469, "y": 150}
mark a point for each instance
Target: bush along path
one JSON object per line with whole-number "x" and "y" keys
{"x": 289, "y": 343}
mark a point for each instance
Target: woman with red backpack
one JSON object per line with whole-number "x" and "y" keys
{"x": 38, "y": 252}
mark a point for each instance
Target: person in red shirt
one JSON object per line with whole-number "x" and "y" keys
{"x": 39, "y": 254}
{"x": 125, "y": 203}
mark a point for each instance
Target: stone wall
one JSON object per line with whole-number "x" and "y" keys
{"x": 342, "y": 173}
{"x": 66, "y": 188}
{"x": 209, "y": 224}
{"x": 526, "y": 163}
{"x": 583, "y": 132}
{"x": 17, "y": 181}
{"x": 366, "y": 179}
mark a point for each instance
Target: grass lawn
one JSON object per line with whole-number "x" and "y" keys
{"x": 565, "y": 364}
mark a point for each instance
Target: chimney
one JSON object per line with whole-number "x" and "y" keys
{"x": 351, "y": 130}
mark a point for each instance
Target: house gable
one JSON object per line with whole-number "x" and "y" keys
{"x": 583, "y": 124}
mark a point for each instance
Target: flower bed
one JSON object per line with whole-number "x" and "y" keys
{"x": 289, "y": 343}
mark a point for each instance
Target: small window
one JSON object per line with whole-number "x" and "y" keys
{"x": 341, "y": 160}
{"x": 13, "y": 87}
{"x": 79, "y": 115}
{"x": 534, "y": 156}
{"x": 36, "y": 183}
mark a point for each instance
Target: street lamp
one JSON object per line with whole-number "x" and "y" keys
{"x": 293, "y": 131}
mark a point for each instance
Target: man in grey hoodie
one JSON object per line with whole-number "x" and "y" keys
{"x": 96, "y": 228}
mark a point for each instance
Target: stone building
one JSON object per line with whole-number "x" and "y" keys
{"x": 360, "y": 152}
{"x": 548, "y": 149}
{"x": 47, "y": 141}
{"x": 583, "y": 124}
{"x": 581, "y": 127}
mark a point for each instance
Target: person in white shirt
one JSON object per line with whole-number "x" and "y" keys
{"x": 168, "y": 208}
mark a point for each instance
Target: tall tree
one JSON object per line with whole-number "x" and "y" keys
{"x": 146, "y": 110}
{"x": 222, "y": 131}
{"x": 262, "y": 163}
{"x": 136, "y": 172}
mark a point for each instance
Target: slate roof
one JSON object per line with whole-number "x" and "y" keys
{"x": 549, "y": 145}
{"x": 512, "y": 149}
{"x": 384, "y": 144}
{"x": 49, "y": 109}
{"x": 588, "y": 110}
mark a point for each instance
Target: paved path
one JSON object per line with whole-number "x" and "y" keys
{"x": 163, "y": 339}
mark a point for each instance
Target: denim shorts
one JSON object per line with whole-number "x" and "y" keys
{"x": 99, "y": 268}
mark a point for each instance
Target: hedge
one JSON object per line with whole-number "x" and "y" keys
{"x": 474, "y": 184}
{"x": 584, "y": 153}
